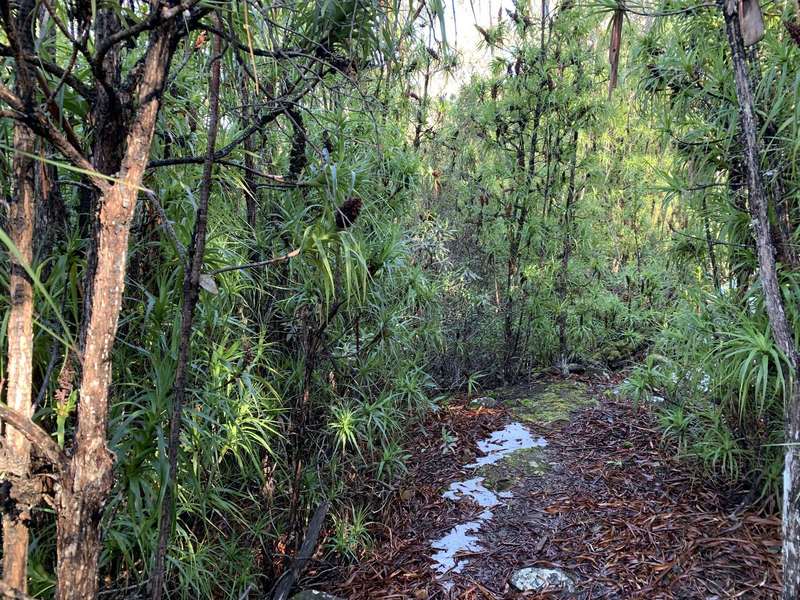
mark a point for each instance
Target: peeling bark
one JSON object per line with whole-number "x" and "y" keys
{"x": 87, "y": 481}
{"x": 191, "y": 295}
{"x": 16, "y": 448}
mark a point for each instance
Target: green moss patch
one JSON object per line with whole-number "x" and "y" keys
{"x": 552, "y": 402}
{"x": 504, "y": 475}
{"x": 540, "y": 404}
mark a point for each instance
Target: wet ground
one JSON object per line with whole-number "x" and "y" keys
{"x": 513, "y": 439}
{"x": 561, "y": 479}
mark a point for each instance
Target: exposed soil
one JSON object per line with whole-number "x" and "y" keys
{"x": 606, "y": 501}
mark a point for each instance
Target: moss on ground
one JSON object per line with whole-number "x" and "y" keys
{"x": 540, "y": 404}
{"x": 504, "y": 475}
{"x": 552, "y": 402}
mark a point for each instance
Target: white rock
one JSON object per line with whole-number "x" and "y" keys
{"x": 532, "y": 579}
{"x": 314, "y": 595}
{"x": 485, "y": 402}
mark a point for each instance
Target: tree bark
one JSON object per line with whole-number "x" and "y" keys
{"x": 613, "y": 49}
{"x": 191, "y": 294}
{"x": 563, "y": 276}
{"x": 712, "y": 255}
{"x": 251, "y": 191}
{"x": 781, "y": 331}
{"x": 88, "y": 478}
{"x": 16, "y": 448}
{"x": 107, "y": 118}
{"x": 786, "y": 249}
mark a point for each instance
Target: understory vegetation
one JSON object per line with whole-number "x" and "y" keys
{"x": 329, "y": 229}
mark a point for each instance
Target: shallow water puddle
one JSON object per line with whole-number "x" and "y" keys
{"x": 514, "y": 436}
{"x": 474, "y": 488}
{"x": 463, "y": 537}
{"x": 458, "y": 539}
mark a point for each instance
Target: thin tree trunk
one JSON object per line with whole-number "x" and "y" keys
{"x": 613, "y": 49}
{"x": 712, "y": 255}
{"x": 191, "y": 294}
{"x": 421, "y": 109}
{"x": 562, "y": 283}
{"x": 88, "y": 478}
{"x": 16, "y": 448}
{"x": 786, "y": 250}
{"x": 249, "y": 149}
{"x": 779, "y": 324}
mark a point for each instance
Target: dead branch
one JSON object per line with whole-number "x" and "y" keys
{"x": 287, "y": 579}
{"x": 37, "y": 436}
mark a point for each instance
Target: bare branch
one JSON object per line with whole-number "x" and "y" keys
{"x": 153, "y": 20}
{"x": 40, "y": 125}
{"x": 34, "y": 61}
{"x": 262, "y": 263}
{"x": 279, "y": 181}
{"x": 669, "y": 13}
{"x": 179, "y": 248}
{"x": 222, "y": 152}
{"x": 277, "y": 54}
{"x": 37, "y": 436}
{"x": 226, "y": 150}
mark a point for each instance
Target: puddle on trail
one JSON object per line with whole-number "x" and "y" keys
{"x": 463, "y": 537}
{"x": 514, "y": 436}
{"x": 474, "y": 488}
{"x": 458, "y": 539}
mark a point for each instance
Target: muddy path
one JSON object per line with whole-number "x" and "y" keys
{"x": 560, "y": 490}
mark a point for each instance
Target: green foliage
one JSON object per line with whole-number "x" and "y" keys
{"x": 504, "y": 209}
{"x": 351, "y": 533}
{"x": 305, "y": 374}
{"x": 405, "y": 244}
{"x": 724, "y": 378}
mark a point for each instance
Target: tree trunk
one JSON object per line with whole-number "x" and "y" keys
{"x": 421, "y": 108}
{"x": 563, "y": 280}
{"x": 251, "y": 191}
{"x": 191, "y": 294}
{"x": 786, "y": 248}
{"x": 779, "y": 324}
{"x": 88, "y": 478}
{"x": 712, "y": 255}
{"x": 613, "y": 49}
{"x": 17, "y": 449}
{"x": 107, "y": 119}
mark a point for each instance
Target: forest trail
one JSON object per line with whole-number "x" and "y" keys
{"x": 562, "y": 490}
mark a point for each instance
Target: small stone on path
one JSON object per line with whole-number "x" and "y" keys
{"x": 533, "y": 579}
{"x": 314, "y": 595}
{"x": 485, "y": 402}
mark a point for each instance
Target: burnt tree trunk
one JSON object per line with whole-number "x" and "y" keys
{"x": 781, "y": 331}
{"x": 191, "y": 294}
{"x": 16, "y": 448}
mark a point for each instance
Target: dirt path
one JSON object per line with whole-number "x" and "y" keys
{"x": 576, "y": 487}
